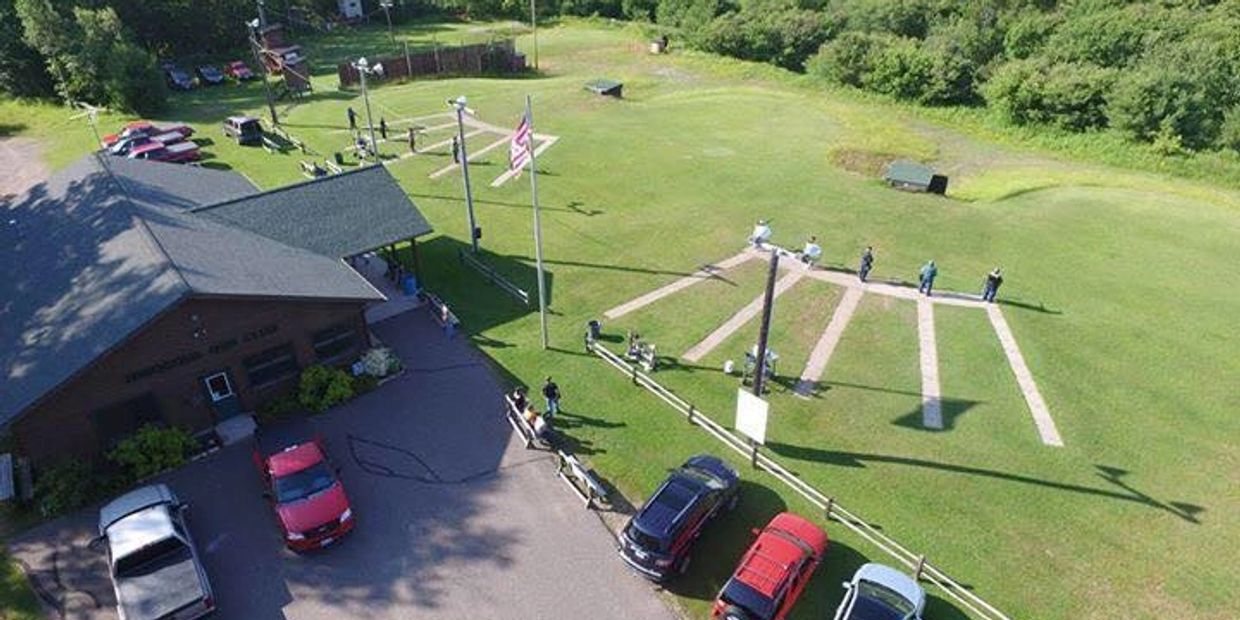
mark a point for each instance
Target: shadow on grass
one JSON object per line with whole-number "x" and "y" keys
{"x": 11, "y": 129}
{"x": 1113, "y": 476}
{"x": 1039, "y": 307}
{"x": 479, "y": 304}
{"x": 572, "y": 207}
{"x": 952, "y": 408}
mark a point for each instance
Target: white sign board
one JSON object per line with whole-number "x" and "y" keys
{"x": 751, "y": 415}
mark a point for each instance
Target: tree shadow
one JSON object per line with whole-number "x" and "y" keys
{"x": 1111, "y": 475}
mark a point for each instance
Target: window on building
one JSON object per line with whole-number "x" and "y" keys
{"x": 117, "y": 422}
{"x": 270, "y": 366}
{"x": 335, "y": 341}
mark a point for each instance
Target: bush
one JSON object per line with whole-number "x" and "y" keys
{"x": 322, "y": 388}
{"x": 902, "y": 70}
{"x": 281, "y": 406}
{"x": 1229, "y": 137}
{"x": 1107, "y": 38}
{"x": 849, "y": 58}
{"x": 690, "y": 16}
{"x": 65, "y": 486}
{"x": 152, "y": 450}
{"x": 380, "y": 362}
{"x": 1158, "y": 101}
{"x": 785, "y": 38}
{"x": 1027, "y": 33}
{"x": 1068, "y": 96}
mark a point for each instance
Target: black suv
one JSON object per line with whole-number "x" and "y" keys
{"x": 657, "y": 540}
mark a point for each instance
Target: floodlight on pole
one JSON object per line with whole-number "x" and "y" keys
{"x": 387, "y": 11}
{"x": 459, "y": 104}
{"x": 363, "y": 67}
{"x": 254, "y": 25}
{"x": 534, "y": 31}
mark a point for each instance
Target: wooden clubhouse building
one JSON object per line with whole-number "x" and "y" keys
{"x": 138, "y": 292}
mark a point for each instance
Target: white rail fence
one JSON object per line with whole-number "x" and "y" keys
{"x": 916, "y": 563}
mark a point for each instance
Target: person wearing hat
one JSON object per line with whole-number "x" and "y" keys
{"x": 928, "y": 273}
{"x": 811, "y": 252}
{"x": 993, "y": 280}
{"x": 867, "y": 263}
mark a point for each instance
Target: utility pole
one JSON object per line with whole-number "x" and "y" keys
{"x": 363, "y": 67}
{"x": 387, "y": 11}
{"x": 262, "y": 13}
{"x": 262, "y": 66}
{"x": 767, "y": 305}
{"x": 534, "y": 28}
{"x": 459, "y": 105}
{"x": 538, "y": 254}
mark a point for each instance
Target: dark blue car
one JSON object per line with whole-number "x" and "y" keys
{"x": 657, "y": 540}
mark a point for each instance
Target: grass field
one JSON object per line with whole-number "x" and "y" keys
{"x": 1121, "y": 289}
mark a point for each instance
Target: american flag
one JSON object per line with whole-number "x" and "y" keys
{"x": 519, "y": 152}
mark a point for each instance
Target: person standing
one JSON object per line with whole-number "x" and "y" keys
{"x": 413, "y": 141}
{"x": 867, "y": 263}
{"x": 928, "y": 273}
{"x": 383, "y": 128}
{"x": 811, "y": 252}
{"x": 761, "y": 233}
{"x": 551, "y": 392}
{"x": 456, "y": 149}
{"x": 352, "y": 119}
{"x": 993, "y": 280}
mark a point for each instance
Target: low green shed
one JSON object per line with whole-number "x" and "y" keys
{"x": 606, "y": 87}
{"x": 912, "y": 176}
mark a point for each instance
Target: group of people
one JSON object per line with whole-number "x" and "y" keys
{"x": 540, "y": 422}
{"x": 811, "y": 253}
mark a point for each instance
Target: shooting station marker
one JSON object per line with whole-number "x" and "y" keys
{"x": 739, "y": 319}
{"x": 821, "y": 354}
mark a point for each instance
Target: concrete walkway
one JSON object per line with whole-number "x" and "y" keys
{"x": 821, "y": 354}
{"x": 705, "y": 273}
{"x": 740, "y": 318}
{"x": 473, "y": 155}
{"x": 931, "y": 394}
{"x": 373, "y": 269}
{"x": 1024, "y": 378}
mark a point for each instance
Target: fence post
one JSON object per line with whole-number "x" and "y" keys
{"x": 690, "y": 414}
{"x": 634, "y": 374}
{"x": 830, "y": 505}
{"x": 921, "y": 566}
{"x": 753, "y": 456}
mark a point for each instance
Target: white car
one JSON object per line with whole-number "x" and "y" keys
{"x": 878, "y": 592}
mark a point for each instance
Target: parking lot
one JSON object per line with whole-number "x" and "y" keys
{"x": 455, "y": 519}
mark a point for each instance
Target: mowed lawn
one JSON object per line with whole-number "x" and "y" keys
{"x": 1121, "y": 289}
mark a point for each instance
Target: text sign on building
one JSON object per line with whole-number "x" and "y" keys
{"x": 751, "y": 416}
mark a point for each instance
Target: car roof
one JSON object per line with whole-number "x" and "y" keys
{"x": 893, "y": 580}
{"x": 134, "y": 501}
{"x": 662, "y": 512}
{"x": 802, "y": 529}
{"x": 768, "y": 563}
{"x": 294, "y": 459}
{"x": 140, "y": 529}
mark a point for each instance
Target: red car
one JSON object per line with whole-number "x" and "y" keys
{"x": 145, "y": 128}
{"x": 177, "y": 153}
{"x": 308, "y": 498}
{"x": 774, "y": 571}
{"x": 239, "y": 71}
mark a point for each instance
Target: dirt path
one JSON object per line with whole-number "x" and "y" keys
{"x": 22, "y": 161}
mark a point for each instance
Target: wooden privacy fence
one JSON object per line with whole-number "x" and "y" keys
{"x": 922, "y": 570}
{"x": 494, "y": 57}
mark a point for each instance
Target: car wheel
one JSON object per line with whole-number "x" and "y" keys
{"x": 734, "y": 613}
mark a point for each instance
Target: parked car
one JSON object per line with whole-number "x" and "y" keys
{"x": 658, "y": 539}
{"x": 244, "y": 129}
{"x": 178, "y": 79}
{"x": 144, "y": 128}
{"x": 239, "y": 71}
{"x": 879, "y": 592}
{"x": 125, "y": 145}
{"x": 304, "y": 490}
{"x": 178, "y": 153}
{"x": 773, "y": 572}
{"x": 210, "y": 75}
{"x": 155, "y": 568}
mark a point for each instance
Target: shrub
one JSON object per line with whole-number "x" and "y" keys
{"x": 1157, "y": 101}
{"x": 65, "y": 486}
{"x": 322, "y": 388}
{"x": 1229, "y": 136}
{"x": 1069, "y": 96}
{"x": 380, "y": 362}
{"x": 1107, "y": 38}
{"x": 849, "y": 58}
{"x": 152, "y": 450}
{"x": 281, "y": 406}
{"x": 902, "y": 70}
{"x": 689, "y": 15}
{"x": 1027, "y": 34}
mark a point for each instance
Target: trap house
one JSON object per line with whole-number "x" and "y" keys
{"x": 140, "y": 292}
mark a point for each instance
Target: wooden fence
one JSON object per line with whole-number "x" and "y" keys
{"x": 496, "y": 57}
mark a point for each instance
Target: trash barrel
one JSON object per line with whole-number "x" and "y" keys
{"x": 595, "y": 328}
{"x": 409, "y": 285}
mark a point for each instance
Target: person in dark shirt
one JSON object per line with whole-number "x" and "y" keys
{"x": 551, "y": 392}
{"x": 352, "y": 118}
{"x": 383, "y": 128}
{"x": 993, "y": 280}
{"x": 928, "y": 273}
{"x": 867, "y": 263}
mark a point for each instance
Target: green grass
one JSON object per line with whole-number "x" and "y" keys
{"x": 1121, "y": 291}
{"x": 17, "y": 600}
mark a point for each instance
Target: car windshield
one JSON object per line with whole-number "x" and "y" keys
{"x": 747, "y": 598}
{"x": 151, "y": 556}
{"x": 877, "y": 602}
{"x": 644, "y": 540}
{"x": 302, "y": 484}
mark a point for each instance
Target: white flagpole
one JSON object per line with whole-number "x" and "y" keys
{"x": 542, "y": 289}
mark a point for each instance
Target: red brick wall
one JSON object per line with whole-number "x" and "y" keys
{"x": 169, "y": 358}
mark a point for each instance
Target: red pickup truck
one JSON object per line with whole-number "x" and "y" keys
{"x": 145, "y": 128}
{"x": 178, "y": 153}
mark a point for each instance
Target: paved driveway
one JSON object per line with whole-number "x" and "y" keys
{"x": 455, "y": 518}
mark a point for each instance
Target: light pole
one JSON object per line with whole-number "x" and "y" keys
{"x": 387, "y": 11}
{"x": 363, "y": 67}
{"x": 534, "y": 28}
{"x": 262, "y": 13}
{"x": 459, "y": 105}
{"x": 262, "y": 66}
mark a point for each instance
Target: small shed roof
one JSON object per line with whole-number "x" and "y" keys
{"x": 906, "y": 171}
{"x": 604, "y": 86}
